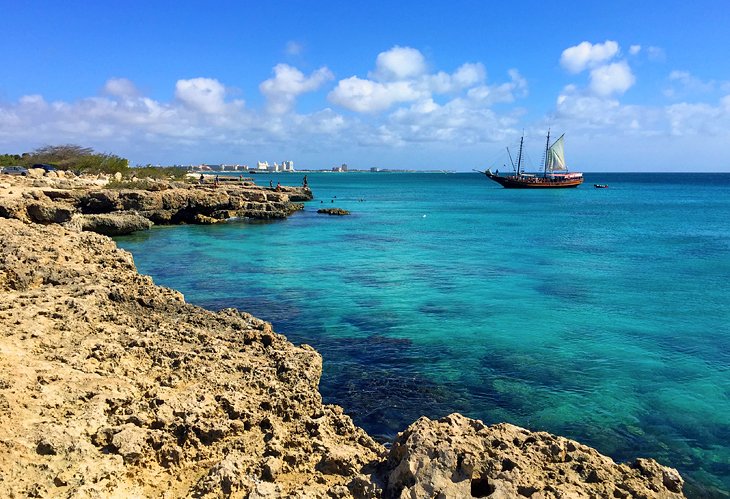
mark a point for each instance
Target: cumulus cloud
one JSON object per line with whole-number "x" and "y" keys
{"x": 181, "y": 130}
{"x": 587, "y": 55}
{"x": 505, "y": 92}
{"x": 399, "y": 63}
{"x": 469, "y": 74}
{"x": 458, "y": 121}
{"x": 634, "y": 49}
{"x": 120, "y": 87}
{"x": 367, "y": 96}
{"x": 400, "y": 77}
{"x": 610, "y": 79}
{"x": 288, "y": 83}
{"x": 202, "y": 94}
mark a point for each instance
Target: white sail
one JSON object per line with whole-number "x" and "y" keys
{"x": 556, "y": 156}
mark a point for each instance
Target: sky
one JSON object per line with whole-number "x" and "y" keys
{"x": 634, "y": 86}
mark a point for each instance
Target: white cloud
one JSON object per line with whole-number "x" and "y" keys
{"x": 587, "y": 55}
{"x": 120, "y": 87}
{"x": 202, "y": 94}
{"x": 399, "y": 63}
{"x": 400, "y": 76}
{"x": 634, "y": 49}
{"x": 410, "y": 114}
{"x": 367, "y": 96}
{"x": 288, "y": 83}
{"x": 610, "y": 79}
{"x": 698, "y": 118}
{"x": 505, "y": 92}
{"x": 684, "y": 83}
{"x": 469, "y": 74}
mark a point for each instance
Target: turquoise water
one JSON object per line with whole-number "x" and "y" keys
{"x": 598, "y": 314}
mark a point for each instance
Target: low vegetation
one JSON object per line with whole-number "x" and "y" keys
{"x": 85, "y": 160}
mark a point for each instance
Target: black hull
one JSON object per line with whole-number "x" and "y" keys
{"x": 513, "y": 182}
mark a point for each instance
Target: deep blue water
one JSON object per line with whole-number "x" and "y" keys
{"x": 597, "y": 314}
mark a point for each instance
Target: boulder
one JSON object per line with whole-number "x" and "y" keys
{"x": 461, "y": 457}
{"x": 333, "y": 211}
{"x": 114, "y": 224}
{"x": 44, "y": 211}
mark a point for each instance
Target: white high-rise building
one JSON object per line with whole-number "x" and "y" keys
{"x": 262, "y": 165}
{"x": 287, "y": 166}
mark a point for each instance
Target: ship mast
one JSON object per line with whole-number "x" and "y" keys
{"x": 547, "y": 148}
{"x": 510, "y": 159}
{"x": 519, "y": 156}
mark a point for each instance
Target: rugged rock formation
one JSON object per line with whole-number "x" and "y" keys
{"x": 47, "y": 200}
{"x": 111, "y": 386}
{"x": 112, "y": 224}
{"x": 461, "y": 457}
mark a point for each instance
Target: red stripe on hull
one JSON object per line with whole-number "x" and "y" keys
{"x": 534, "y": 183}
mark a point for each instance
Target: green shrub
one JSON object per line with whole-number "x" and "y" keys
{"x": 159, "y": 172}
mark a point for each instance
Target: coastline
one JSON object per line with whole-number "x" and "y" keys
{"x": 112, "y": 385}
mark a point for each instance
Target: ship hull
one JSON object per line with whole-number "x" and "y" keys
{"x": 515, "y": 182}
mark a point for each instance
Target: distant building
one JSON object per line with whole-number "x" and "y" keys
{"x": 341, "y": 168}
{"x": 374, "y": 169}
{"x": 287, "y": 166}
{"x": 262, "y": 166}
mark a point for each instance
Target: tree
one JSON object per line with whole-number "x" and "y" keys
{"x": 10, "y": 159}
{"x": 78, "y": 158}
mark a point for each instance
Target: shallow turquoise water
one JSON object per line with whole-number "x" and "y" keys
{"x": 598, "y": 314}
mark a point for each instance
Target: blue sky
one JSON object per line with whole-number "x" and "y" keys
{"x": 635, "y": 86}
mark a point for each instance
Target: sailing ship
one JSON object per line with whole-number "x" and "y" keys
{"x": 555, "y": 173}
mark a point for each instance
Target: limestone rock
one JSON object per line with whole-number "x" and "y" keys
{"x": 111, "y": 386}
{"x": 120, "y": 388}
{"x": 56, "y": 200}
{"x": 114, "y": 224}
{"x": 46, "y": 212}
{"x": 36, "y": 172}
{"x": 460, "y": 457}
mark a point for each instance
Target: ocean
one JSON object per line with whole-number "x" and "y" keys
{"x": 602, "y": 315}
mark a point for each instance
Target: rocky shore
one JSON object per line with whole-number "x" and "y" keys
{"x": 107, "y": 206}
{"x": 111, "y": 386}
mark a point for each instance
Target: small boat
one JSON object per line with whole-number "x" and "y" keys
{"x": 600, "y": 186}
{"x": 548, "y": 179}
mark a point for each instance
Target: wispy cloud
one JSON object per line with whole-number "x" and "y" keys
{"x": 293, "y": 48}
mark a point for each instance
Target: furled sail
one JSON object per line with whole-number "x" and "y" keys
{"x": 556, "y": 156}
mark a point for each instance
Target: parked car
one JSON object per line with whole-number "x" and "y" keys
{"x": 46, "y": 167}
{"x": 15, "y": 170}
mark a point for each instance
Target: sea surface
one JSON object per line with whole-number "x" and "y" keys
{"x": 602, "y": 315}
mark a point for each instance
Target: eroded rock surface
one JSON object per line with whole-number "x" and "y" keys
{"x": 86, "y": 204}
{"x": 460, "y": 457}
{"x": 111, "y": 386}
